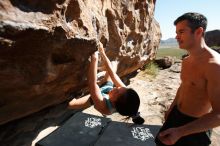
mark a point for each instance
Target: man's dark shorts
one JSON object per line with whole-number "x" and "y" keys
{"x": 176, "y": 119}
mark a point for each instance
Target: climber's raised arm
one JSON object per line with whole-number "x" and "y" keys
{"x": 115, "y": 78}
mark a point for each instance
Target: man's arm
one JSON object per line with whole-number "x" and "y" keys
{"x": 173, "y": 103}
{"x": 115, "y": 78}
{"x": 93, "y": 87}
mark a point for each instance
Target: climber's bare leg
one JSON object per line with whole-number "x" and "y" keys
{"x": 80, "y": 103}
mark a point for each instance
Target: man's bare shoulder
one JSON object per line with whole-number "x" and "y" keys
{"x": 214, "y": 58}
{"x": 185, "y": 59}
{"x": 213, "y": 64}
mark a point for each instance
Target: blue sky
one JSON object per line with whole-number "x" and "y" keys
{"x": 166, "y": 11}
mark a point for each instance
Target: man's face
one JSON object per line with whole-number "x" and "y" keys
{"x": 184, "y": 35}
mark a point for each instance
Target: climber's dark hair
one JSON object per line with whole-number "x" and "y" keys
{"x": 128, "y": 105}
{"x": 195, "y": 20}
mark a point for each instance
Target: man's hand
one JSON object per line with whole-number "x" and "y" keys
{"x": 170, "y": 136}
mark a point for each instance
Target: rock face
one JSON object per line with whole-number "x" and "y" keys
{"x": 213, "y": 38}
{"x": 45, "y": 46}
{"x": 165, "y": 62}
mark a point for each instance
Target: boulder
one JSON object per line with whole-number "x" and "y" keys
{"x": 45, "y": 46}
{"x": 212, "y": 38}
{"x": 165, "y": 62}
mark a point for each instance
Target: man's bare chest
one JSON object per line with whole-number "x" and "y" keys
{"x": 193, "y": 76}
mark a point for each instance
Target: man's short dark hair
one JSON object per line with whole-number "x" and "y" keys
{"x": 195, "y": 20}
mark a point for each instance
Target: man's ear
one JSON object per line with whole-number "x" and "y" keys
{"x": 199, "y": 31}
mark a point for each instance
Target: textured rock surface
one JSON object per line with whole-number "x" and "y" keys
{"x": 45, "y": 45}
{"x": 213, "y": 38}
{"x": 165, "y": 62}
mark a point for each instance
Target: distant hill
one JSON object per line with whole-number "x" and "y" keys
{"x": 170, "y": 42}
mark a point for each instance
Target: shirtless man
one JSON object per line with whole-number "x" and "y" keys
{"x": 196, "y": 107}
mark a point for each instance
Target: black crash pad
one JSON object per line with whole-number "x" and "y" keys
{"x": 123, "y": 134}
{"x": 89, "y": 130}
{"x": 80, "y": 130}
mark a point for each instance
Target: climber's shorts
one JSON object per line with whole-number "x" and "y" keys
{"x": 105, "y": 88}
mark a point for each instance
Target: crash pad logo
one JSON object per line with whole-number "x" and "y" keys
{"x": 142, "y": 133}
{"x": 92, "y": 122}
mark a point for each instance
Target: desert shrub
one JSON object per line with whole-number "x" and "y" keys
{"x": 151, "y": 69}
